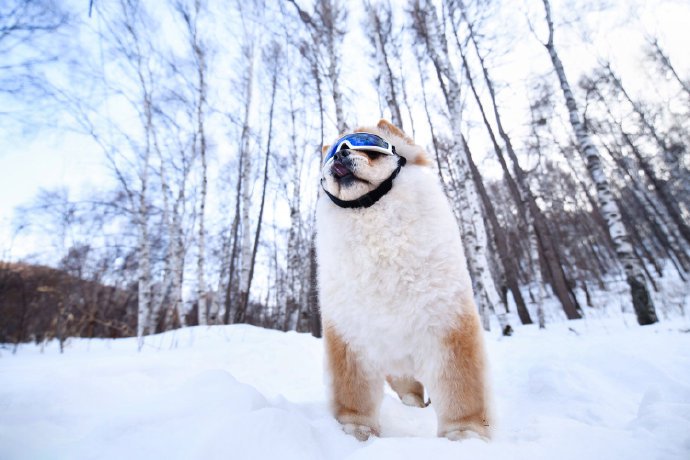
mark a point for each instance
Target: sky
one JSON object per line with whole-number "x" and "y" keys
{"x": 49, "y": 158}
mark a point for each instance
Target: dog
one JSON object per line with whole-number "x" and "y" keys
{"x": 395, "y": 293}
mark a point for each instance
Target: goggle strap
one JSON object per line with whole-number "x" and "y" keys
{"x": 372, "y": 197}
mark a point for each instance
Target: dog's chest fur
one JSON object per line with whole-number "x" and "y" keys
{"x": 392, "y": 276}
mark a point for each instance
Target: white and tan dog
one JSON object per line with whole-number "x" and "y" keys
{"x": 396, "y": 297}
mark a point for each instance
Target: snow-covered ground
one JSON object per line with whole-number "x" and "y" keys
{"x": 589, "y": 389}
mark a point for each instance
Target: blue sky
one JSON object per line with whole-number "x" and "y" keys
{"x": 47, "y": 158}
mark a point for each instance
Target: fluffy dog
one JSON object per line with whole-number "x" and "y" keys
{"x": 396, "y": 297}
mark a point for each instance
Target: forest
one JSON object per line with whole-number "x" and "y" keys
{"x": 559, "y": 130}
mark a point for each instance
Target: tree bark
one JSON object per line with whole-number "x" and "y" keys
{"x": 664, "y": 194}
{"x": 474, "y": 232}
{"x": 245, "y": 245}
{"x": 540, "y": 237}
{"x": 380, "y": 18}
{"x": 200, "y": 144}
{"x": 508, "y": 259}
{"x": 641, "y": 300}
{"x": 257, "y": 235}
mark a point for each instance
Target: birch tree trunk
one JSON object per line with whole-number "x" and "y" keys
{"x": 434, "y": 138}
{"x": 641, "y": 300}
{"x": 660, "y": 186}
{"x": 145, "y": 308}
{"x": 294, "y": 282}
{"x": 509, "y": 269}
{"x": 174, "y": 264}
{"x": 655, "y": 217}
{"x": 332, "y": 15}
{"x": 245, "y": 251}
{"x": 429, "y": 29}
{"x": 167, "y": 224}
{"x": 274, "y": 57}
{"x": 144, "y": 271}
{"x": 199, "y": 55}
{"x": 532, "y": 219}
{"x": 507, "y": 257}
{"x": 230, "y": 288}
{"x": 202, "y": 297}
{"x": 403, "y": 85}
{"x": 325, "y": 26}
{"x": 379, "y": 31}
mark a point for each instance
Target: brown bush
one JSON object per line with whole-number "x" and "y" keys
{"x": 39, "y": 303}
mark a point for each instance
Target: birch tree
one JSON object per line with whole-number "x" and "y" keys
{"x": 660, "y": 186}
{"x": 325, "y": 27}
{"x": 530, "y": 217}
{"x": 508, "y": 259}
{"x": 652, "y": 207}
{"x": 126, "y": 31}
{"x": 296, "y": 273}
{"x": 273, "y": 55}
{"x": 379, "y": 25}
{"x": 641, "y": 299}
{"x": 243, "y": 243}
{"x": 190, "y": 15}
{"x": 244, "y": 189}
{"x": 175, "y": 166}
{"x": 429, "y": 30}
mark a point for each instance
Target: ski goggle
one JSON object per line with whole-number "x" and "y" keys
{"x": 361, "y": 141}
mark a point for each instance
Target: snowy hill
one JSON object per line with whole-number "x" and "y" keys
{"x": 579, "y": 390}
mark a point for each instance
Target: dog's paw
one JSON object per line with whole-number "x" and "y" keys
{"x": 361, "y": 432}
{"x": 413, "y": 400}
{"x": 461, "y": 435}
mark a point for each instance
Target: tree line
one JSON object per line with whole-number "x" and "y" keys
{"x": 210, "y": 119}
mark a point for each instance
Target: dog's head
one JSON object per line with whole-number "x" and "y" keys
{"x": 351, "y": 172}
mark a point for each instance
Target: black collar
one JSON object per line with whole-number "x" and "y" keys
{"x": 372, "y": 197}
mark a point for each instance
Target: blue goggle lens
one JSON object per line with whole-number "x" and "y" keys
{"x": 358, "y": 140}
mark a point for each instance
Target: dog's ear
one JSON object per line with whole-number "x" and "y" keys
{"x": 324, "y": 150}
{"x": 386, "y": 125}
{"x": 411, "y": 151}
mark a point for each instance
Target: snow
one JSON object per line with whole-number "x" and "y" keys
{"x": 599, "y": 388}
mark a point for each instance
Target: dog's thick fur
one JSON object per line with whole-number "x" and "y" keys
{"x": 396, "y": 297}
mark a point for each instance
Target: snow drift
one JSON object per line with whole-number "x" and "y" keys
{"x": 582, "y": 389}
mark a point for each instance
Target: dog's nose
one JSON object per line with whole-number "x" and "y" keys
{"x": 340, "y": 154}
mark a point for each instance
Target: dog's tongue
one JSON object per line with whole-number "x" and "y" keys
{"x": 339, "y": 169}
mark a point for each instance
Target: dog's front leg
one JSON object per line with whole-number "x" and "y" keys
{"x": 355, "y": 392}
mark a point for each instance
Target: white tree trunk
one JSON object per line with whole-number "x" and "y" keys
{"x": 190, "y": 18}
{"x": 334, "y": 76}
{"x": 294, "y": 259}
{"x": 474, "y": 231}
{"x": 172, "y": 281}
{"x": 642, "y": 302}
{"x": 245, "y": 178}
{"x": 293, "y": 279}
{"x": 535, "y": 265}
{"x": 201, "y": 275}
{"x": 144, "y": 283}
{"x": 145, "y": 307}
{"x": 387, "y": 83}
